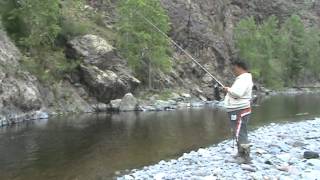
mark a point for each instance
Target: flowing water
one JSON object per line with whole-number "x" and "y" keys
{"x": 96, "y": 146}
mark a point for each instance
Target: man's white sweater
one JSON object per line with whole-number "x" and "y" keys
{"x": 240, "y": 93}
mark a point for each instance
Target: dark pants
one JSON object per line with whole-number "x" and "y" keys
{"x": 239, "y": 120}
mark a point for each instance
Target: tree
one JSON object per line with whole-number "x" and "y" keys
{"x": 312, "y": 47}
{"x": 295, "y": 55}
{"x": 258, "y": 44}
{"x": 279, "y": 54}
{"x": 138, "y": 41}
{"x": 33, "y": 23}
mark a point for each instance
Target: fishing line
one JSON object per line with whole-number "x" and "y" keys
{"x": 178, "y": 46}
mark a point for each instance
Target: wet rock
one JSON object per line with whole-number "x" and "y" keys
{"x": 197, "y": 104}
{"x": 310, "y": 155}
{"x": 185, "y": 95}
{"x": 100, "y": 107}
{"x": 115, "y": 104}
{"x": 183, "y": 105}
{"x": 41, "y": 115}
{"x": 128, "y": 103}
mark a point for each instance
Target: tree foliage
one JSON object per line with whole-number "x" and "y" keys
{"x": 278, "y": 53}
{"x": 37, "y": 26}
{"x": 33, "y": 23}
{"x": 138, "y": 41}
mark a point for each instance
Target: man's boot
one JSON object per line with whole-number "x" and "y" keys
{"x": 244, "y": 154}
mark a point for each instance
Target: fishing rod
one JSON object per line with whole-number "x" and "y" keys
{"x": 178, "y": 46}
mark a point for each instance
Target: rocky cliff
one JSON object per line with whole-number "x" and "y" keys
{"x": 101, "y": 76}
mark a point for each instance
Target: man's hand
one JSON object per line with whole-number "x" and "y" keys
{"x": 226, "y": 89}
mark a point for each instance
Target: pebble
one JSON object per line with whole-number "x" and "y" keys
{"x": 248, "y": 167}
{"x": 310, "y": 155}
{"x": 278, "y": 157}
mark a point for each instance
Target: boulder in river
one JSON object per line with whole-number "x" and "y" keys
{"x": 128, "y": 103}
{"x": 100, "y": 107}
{"x": 115, "y": 104}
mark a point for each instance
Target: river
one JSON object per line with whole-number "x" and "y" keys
{"x": 96, "y": 146}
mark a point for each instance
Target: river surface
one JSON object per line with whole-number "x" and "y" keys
{"x": 86, "y": 147}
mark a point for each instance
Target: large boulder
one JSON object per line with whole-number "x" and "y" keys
{"x": 93, "y": 49}
{"x": 115, "y": 104}
{"x": 104, "y": 85}
{"x": 106, "y": 75}
{"x": 129, "y": 103}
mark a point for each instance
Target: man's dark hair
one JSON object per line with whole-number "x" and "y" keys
{"x": 240, "y": 63}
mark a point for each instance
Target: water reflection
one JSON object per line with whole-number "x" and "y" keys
{"x": 95, "y": 146}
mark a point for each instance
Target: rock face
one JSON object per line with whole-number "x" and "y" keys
{"x": 106, "y": 75}
{"x": 101, "y": 77}
{"x": 18, "y": 89}
{"x": 23, "y": 97}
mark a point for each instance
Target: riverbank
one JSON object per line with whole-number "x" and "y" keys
{"x": 154, "y": 102}
{"x": 277, "y": 153}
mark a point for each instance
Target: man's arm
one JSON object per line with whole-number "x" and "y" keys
{"x": 238, "y": 89}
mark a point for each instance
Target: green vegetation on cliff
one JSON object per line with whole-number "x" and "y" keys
{"x": 139, "y": 42}
{"x": 279, "y": 54}
{"x": 41, "y": 30}
{"x": 36, "y": 26}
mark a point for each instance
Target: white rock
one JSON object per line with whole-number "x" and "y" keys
{"x": 159, "y": 176}
{"x": 285, "y": 157}
{"x": 185, "y": 95}
{"x": 209, "y": 177}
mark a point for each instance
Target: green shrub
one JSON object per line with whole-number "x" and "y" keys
{"x": 71, "y": 28}
{"x": 50, "y": 66}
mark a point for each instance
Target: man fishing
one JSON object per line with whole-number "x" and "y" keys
{"x": 238, "y": 104}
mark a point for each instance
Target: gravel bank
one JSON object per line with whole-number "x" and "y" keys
{"x": 277, "y": 153}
